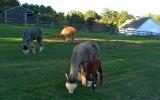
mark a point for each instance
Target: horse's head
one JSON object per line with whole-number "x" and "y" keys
{"x": 71, "y": 83}
{"x": 59, "y": 35}
{"x": 25, "y": 49}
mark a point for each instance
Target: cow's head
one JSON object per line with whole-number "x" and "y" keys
{"x": 71, "y": 83}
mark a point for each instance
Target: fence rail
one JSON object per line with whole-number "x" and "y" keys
{"x": 80, "y": 27}
{"x": 94, "y": 28}
{"x": 139, "y": 33}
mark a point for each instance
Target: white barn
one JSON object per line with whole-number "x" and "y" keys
{"x": 141, "y": 26}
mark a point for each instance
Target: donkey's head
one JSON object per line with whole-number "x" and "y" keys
{"x": 71, "y": 83}
{"x": 25, "y": 49}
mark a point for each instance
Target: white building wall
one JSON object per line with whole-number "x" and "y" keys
{"x": 150, "y": 26}
{"x": 128, "y": 31}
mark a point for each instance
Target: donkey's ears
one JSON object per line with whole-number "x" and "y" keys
{"x": 66, "y": 76}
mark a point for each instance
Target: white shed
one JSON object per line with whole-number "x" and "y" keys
{"x": 141, "y": 26}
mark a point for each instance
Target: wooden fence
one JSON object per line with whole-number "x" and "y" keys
{"x": 139, "y": 33}
{"x": 94, "y": 28}
{"x": 81, "y": 27}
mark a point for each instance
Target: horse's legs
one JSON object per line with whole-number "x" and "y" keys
{"x": 66, "y": 38}
{"x": 72, "y": 37}
{"x": 96, "y": 76}
{"x": 40, "y": 42}
{"x": 79, "y": 74}
{"x": 83, "y": 77}
{"x": 101, "y": 75}
{"x": 93, "y": 81}
{"x": 89, "y": 80}
{"x": 32, "y": 46}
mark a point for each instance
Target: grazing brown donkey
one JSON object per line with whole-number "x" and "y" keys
{"x": 68, "y": 33}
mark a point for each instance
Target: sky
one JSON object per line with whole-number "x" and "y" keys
{"x": 135, "y": 7}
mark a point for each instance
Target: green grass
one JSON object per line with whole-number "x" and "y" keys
{"x": 131, "y": 67}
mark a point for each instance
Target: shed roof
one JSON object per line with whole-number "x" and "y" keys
{"x": 19, "y": 7}
{"x": 135, "y": 23}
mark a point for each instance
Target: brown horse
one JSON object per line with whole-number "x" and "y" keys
{"x": 82, "y": 53}
{"x": 92, "y": 70}
{"x": 68, "y": 33}
{"x": 29, "y": 36}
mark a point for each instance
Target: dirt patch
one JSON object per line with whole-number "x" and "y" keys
{"x": 101, "y": 42}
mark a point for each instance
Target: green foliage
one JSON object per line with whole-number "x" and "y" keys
{"x": 156, "y": 17}
{"x": 122, "y": 17}
{"x": 47, "y": 14}
{"x": 74, "y": 17}
{"x": 60, "y": 18}
{"x": 115, "y": 18}
{"x": 42, "y": 12}
{"x": 91, "y": 14}
{"x": 90, "y": 17}
{"x": 108, "y": 16}
{"x": 6, "y": 4}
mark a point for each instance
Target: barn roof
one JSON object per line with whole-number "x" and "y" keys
{"x": 135, "y": 23}
{"x": 19, "y": 7}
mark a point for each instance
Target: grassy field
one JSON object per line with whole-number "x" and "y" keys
{"x": 131, "y": 67}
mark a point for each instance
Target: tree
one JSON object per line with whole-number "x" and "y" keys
{"x": 47, "y": 13}
{"x": 59, "y": 19}
{"x": 74, "y": 17}
{"x": 34, "y": 8}
{"x": 42, "y": 12}
{"x": 122, "y": 17}
{"x": 156, "y": 17}
{"x": 90, "y": 14}
{"x": 6, "y": 4}
{"x": 108, "y": 16}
